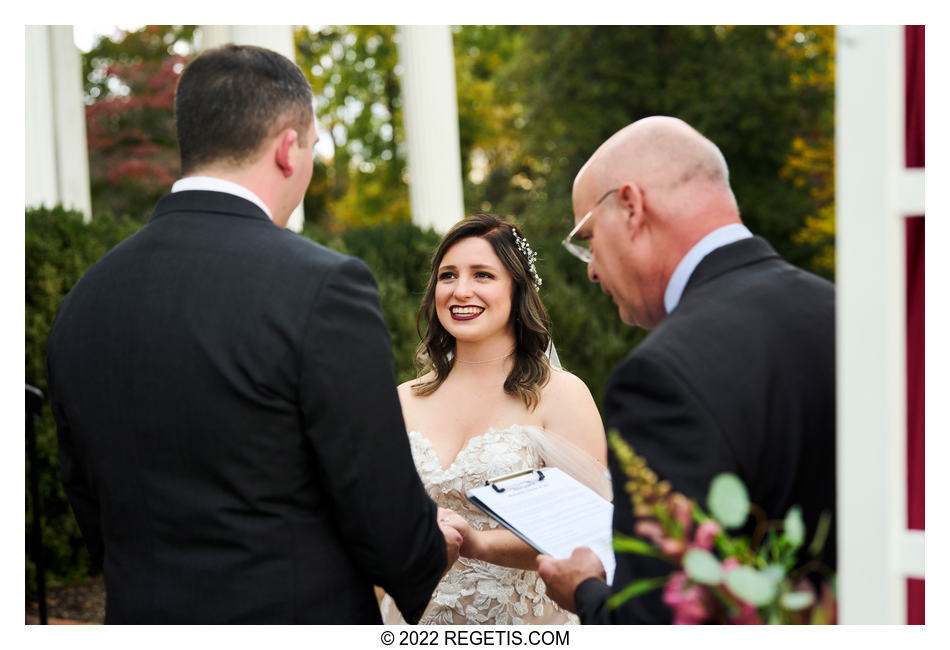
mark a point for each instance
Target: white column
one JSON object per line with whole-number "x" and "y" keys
{"x": 279, "y": 38}
{"x": 57, "y": 159}
{"x": 871, "y": 370}
{"x": 430, "y": 114}
{"x": 41, "y": 185}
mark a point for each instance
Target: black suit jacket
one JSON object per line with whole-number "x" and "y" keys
{"x": 740, "y": 378}
{"x": 230, "y": 435}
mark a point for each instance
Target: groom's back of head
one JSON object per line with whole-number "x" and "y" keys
{"x": 231, "y": 99}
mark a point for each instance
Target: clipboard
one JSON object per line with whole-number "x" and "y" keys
{"x": 495, "y": 484}
{"x": 551, "y": 511}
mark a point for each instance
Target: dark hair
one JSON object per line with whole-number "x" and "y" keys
{"x": 230, "y": 99}
{"x": 531, "y": 370}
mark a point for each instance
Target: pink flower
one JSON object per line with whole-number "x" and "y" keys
{"x": 687, "y": 600}
{"x": 730, "y": 563}
{"x": 682, "y": 510}
{"x": 673, "y": 547}
{"x": 746, "y": 615}
{"x": 650, "y": 529}
{"x": 705, "y": 534}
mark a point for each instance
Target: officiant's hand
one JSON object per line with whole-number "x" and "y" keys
{"x": 563, "y": 576}
{"x": 453, "y": 538}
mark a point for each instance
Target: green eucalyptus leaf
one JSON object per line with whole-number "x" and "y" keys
{"x": 821, "y": 533}
{"x": 728, "y": 500}
{"x": 796, "y": 600}
{"x": 774, "y": 572}
{"x": 702, "y": 567}
{"x": 795, "y": 527}
{"x": 754, "y": 587}
{"x": 625, "y": 544}
{"x": 634, "y": 589}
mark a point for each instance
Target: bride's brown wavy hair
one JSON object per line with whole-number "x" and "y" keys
{"x": 436, "y": 351}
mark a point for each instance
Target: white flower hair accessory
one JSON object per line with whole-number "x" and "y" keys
{"x": 530, "y": 255}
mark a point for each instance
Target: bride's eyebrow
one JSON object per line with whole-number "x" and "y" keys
{"x": 475, "y": 267}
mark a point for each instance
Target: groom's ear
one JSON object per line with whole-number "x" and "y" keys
{"x": 285, "y": 140}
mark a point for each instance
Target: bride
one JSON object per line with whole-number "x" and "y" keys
{"x": 489, "y": 403}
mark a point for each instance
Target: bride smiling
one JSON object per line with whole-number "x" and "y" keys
{"x": 487, "y": 403}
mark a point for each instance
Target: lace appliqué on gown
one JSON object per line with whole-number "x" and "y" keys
{"x": 474, "y": 591}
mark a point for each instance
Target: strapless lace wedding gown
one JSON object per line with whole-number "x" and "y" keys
{"x": 473, "y": 591}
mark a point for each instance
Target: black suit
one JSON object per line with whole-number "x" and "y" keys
{"x": 230, "y": 435}
{"x": 740, "y": 378}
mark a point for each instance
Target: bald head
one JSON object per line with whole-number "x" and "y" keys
{"x": 666, "y": 156}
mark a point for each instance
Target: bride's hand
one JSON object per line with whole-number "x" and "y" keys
{"x": 472, "y": 543}
{"x": 453, "y": 538}
{"x": 471, "y": 538}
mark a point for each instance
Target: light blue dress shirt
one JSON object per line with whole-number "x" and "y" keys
{"x": 716, "y": 239}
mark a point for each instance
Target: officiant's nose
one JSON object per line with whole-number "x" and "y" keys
{"x": 592, "y": 272}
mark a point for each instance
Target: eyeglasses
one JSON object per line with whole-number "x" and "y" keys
{"x": 581, "y": 248}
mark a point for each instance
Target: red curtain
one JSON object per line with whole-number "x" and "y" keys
{"x": 914, "y": 241}
{"x": 914, "y": 238}
{"x": 914, "y": 95}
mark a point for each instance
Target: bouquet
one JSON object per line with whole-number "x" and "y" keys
{"x": 718, "y": 577}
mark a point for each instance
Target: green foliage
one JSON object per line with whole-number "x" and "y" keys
{"x": 754, "y": 587}
{"x": 702, "y": 566}
{"x": 59, "y": 249}
{"x": 795, "y": 527}
{"x": 624, "y": 544}
{"x": 356, "y": 87}
{"x": 129, "y": 87}
{"x": 634, "y": 589}
{"x": 758, "y": 92}
{"x": 717, "y": 577}
{"x": 728, "y": 500}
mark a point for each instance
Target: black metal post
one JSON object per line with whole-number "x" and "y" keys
{"x": 34, "y": 402}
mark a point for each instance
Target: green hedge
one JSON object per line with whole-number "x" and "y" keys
{"x": 60, "y": 247}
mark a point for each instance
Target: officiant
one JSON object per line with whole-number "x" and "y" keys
{"x": 738, "y": 372}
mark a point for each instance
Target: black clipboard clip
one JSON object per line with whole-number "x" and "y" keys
{"x": 499, "y": 490}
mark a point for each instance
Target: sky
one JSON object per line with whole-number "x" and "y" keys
{"x": 84, "y": 35}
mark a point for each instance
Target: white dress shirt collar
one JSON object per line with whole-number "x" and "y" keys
{"x": 211, "y": 184}
{"x": 716, "y": 239}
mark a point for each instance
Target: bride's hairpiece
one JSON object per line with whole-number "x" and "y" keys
{"x": 530, "y": 255}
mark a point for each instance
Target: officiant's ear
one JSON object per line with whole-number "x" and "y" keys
{"x": 282, "y": 156}
{"x": 631, "y": 197}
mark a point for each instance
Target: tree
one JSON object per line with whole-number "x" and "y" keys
{"x": 810, "y": 165}
{"x": 748, "y": 88}
{"x": 354, "y": 74}
{"x": 129, "y": 86}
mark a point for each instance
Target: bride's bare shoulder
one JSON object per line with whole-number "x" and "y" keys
{"x": 406, "y": 391}
{"x": 563, "y": 384}
{"x": 569, "y": 408}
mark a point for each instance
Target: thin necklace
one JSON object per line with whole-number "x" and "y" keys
{"x": 475, "y": 363}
